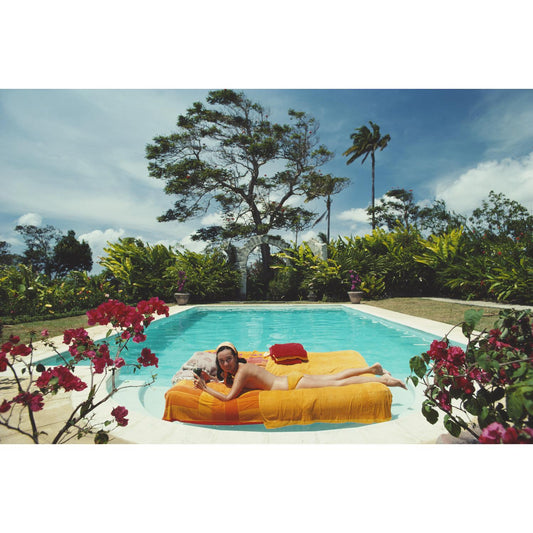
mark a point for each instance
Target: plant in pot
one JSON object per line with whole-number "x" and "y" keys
{"x": 354, "y": 294}
{"x": 182, "y": 298}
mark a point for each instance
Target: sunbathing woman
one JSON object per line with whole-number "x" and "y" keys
{"x": 240, "y": 376}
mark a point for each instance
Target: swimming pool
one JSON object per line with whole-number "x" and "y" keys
{"x": 317, "y": 327}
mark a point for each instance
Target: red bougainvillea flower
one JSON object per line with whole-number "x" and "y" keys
{"x": 5, "y": 406}
{"x": 479, "y": 375}
{"x": 464, "y": 384}
{"x": 65, "y": 379}
{"x": 456, "y": 356}
{"x": 139, "y": 337}
{"x": 101, "y": 359}
{"x": 443, "y": 399}
{"x": 438, "y": 350}
{"x": 33, "y": 400}
{"x": 79, "y": 335}
{"x": 15, "y": 339}
{"x": 120, "y": 413}
{"x": 21, "y": 349}
{"x": 3, "y": 362}
{"x": 148, "y": 358}
{"x": 153, "y": 305}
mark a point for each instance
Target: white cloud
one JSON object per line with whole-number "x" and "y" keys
{"x": 512, "y": 177}
{"x": 193, "y": 246}
{"x": 30, "y": 219}
{"x": 212, "y": 219}
{"x": 357, "y": 215}
{"x": 98, "y": 239}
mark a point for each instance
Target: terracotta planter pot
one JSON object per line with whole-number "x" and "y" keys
{"x": 355, "y": 296}
{"x": 182, "y": 298}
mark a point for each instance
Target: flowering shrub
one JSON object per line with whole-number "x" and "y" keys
{"x": 354, "y": 279}
{"x": 128, "y": 322}
{"x": 182, "y": 278}
{"x": 491, "y": 381}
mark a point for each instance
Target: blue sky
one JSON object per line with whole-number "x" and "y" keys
{"x": 83, "y": 91}
{"x": 75, "y": 158}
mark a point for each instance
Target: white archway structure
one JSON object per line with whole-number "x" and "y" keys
{"x": 243, "y": 253}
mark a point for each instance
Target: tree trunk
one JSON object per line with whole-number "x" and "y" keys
{"x": 373, "y": 192}
{"x": 267, "y": 261}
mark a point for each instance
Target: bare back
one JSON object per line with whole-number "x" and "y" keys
{"x": 254, "y": 377}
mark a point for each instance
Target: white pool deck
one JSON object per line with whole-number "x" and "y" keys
{"x": 409, "y": 427}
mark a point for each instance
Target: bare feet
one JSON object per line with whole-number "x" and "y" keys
{"x": 393, "y": 382}
{"x": 378, "y": 370}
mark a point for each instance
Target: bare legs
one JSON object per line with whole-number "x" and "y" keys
{"x": 351, "y": 376}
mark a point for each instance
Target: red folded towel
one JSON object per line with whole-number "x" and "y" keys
{"x": 289, "y": 353}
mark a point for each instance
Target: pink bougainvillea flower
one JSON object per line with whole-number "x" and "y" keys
{"x": 510, "y": 436}
{"x": 492, "y": 434}
{"x": 44, "y": 333}
{"x": 120, "y": 413}
{"x": 119, "y": 362}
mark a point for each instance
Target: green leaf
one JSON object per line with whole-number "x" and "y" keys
{"x": 418, "y": 366}
{"x": 515, "y": 405}
{"x": 101, "y": 437}
{"x": 414, "y": 379}
{"x": 430, "y": 414}
{"x": 452, "y": 426}
{"x": 473, "y": 316}
{"x": 472, "y": 406}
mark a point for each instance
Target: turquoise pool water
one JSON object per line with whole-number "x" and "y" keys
{"x": 318, "y": 328}
{"x": 326, "y": 328}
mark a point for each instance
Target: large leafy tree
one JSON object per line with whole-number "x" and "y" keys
{"x": 6, "y": 257}
{"x": 365, "y": 143}
{"x": 500, "y": 216}
{"x": 71, "y": 254}
{"x": 396, "y": 208}
{"x": 228, "y": 155}
{"x": 438, "y": 220}
{"x": 39, "y": 246}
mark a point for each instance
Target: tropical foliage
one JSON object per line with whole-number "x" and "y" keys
{"x": 140, "y": 271}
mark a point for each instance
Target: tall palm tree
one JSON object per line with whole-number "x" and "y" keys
{"x": 367, "y": 142}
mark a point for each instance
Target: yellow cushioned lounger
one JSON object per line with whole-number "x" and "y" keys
{"x": 364, "y": 403}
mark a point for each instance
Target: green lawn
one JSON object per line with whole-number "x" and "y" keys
{"x": 447, "y": 312}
